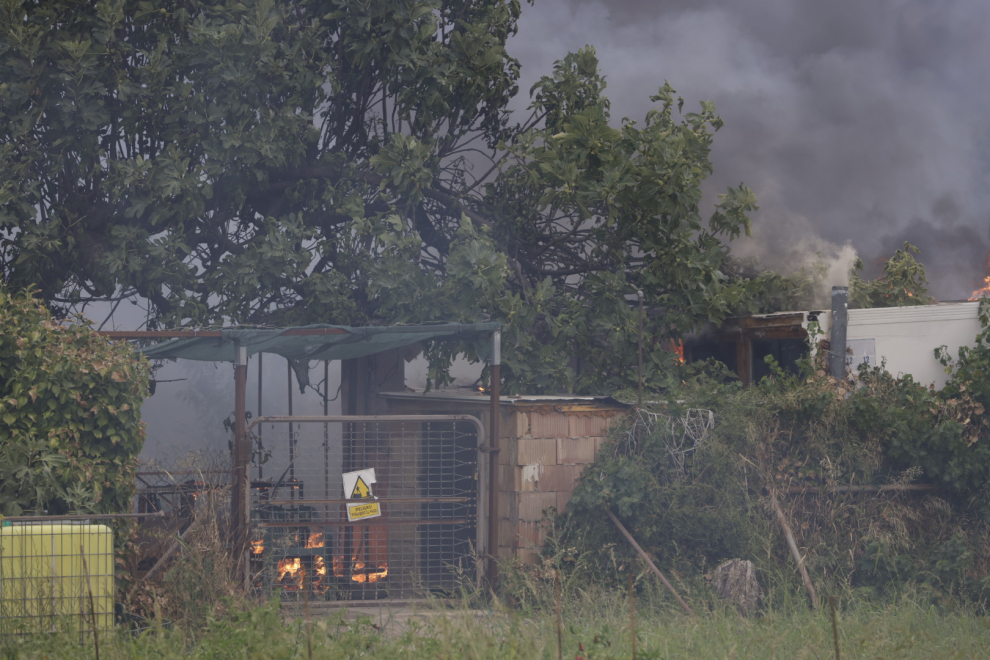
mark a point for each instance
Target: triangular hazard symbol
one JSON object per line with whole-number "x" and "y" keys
{"x": 361, "y": 489}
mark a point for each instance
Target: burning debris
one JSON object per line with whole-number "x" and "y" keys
{"x": 360, "y": 571}
{"x": 305, "y": 566}
{"x": 292, "y": 575}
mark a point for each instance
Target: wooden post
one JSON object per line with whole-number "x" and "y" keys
{"x": 744, "y": 359}
{"x": 649, "y": 562}
{"x": 792, "y": 544}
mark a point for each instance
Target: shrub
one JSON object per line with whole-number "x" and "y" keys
{"x": 692, "y": 502}
{"x": 70, "y": 405}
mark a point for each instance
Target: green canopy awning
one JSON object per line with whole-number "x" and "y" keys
{"x": 309, "y": 343}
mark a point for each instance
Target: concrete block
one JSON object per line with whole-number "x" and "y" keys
{"x": 508, "y": 534}
{"x": 530, "y": 534}
{"x": 581, "y": 426}
{"x": 553, "y": 478}
{"x": 509, "y": 478}
{"x": 524, "y": 534}
{"x": 515, "y": 424}
{"x": 548, "y": 425}
{"x": 508, "y": 506}
{"x": 536, "y": 451}
{"x": 575, "y": 450}
{"x": 530, "y": 506}
{"x": 508, "y": 451}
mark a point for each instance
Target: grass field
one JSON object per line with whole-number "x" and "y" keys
{"x": 593, "y": 629}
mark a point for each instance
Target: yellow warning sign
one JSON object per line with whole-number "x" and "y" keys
{"x": 362, "y": 511}
{"x": 358, "y": 484}
{"x": 361, "y": 490}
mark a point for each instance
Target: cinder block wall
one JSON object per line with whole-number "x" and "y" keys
{"x": 543, "y": 452}
{"x": 543, "y": 449}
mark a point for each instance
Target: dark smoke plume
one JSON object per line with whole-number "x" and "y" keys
{"x": 853, "y": 122}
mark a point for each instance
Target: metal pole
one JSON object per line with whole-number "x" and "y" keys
{"x": 837, "y": 332}
{"x": 326, "y": 437}
{"x": 292, "y": 442}
{"x": 493, "y": 442}
{"x": 260, "y": 380}
{"x": 239, "y": 451}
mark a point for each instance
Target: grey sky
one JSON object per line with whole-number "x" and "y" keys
{"x": 852, "y": 121}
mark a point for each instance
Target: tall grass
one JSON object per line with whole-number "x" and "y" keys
{"x": 596, "y": 627}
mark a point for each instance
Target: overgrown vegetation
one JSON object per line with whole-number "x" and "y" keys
{"x": 70, "y": 408}
{"x": 695, "y": 493}
{"x": 596, "y": 626}
{"x": 199, "y": 582}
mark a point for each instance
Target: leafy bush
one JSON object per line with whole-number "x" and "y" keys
{"x": 70, "y": 408}
{"x": 692, "y": 499}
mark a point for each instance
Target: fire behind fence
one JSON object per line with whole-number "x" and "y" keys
{"x": 424, "y": 541}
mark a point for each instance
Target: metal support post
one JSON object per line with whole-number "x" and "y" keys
{"x": 837, "y": 332}
{"x": 493, "y": 443}
{"x": 241, "y": 453}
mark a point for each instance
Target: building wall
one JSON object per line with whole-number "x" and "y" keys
{"x": 544, "y": 450}
{"x": 906, "y": 337}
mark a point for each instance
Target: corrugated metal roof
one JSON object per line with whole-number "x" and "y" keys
{"x": 914, "y": 314}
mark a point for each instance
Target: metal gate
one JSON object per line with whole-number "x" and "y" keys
{"x": 424, "y": 541}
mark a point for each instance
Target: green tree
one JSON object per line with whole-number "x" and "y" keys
{"x": 903, "y": 282}
{"x": 254, "y": 161}
{"x": 70, "y": 406}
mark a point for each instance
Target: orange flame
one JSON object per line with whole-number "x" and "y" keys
{"x": 257, "y": 547}
{"x": 291, "y": 573}
{"x": 984, "y": 291}
{"x": 320, "y": 583}
{"x": 360, "y": 571}
{"x": 679, "y": 350}
{"x": 315, "y": 540}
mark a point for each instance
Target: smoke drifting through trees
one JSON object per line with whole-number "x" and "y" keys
{"x": 850, "y": 121}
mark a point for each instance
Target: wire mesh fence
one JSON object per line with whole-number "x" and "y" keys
{"x": 177, "y": 492}
{"x": 425, "y": 486}
{"x": 56, "y": 575}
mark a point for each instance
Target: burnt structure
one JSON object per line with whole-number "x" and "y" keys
{"x": 742, "y": 344}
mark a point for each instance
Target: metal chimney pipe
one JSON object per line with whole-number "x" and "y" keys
{"x": 837, "y": 331}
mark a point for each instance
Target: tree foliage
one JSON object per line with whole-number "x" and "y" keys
{"x": 70, "y": 409}
{"x": 902, "y": 283}
{"x": 263, "y": 162}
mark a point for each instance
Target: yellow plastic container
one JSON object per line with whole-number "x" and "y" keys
{"x": 47, "y": 572}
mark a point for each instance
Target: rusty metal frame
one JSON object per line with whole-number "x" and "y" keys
{"x": 240, "y": 451}
{"x": 242, "y": 483}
